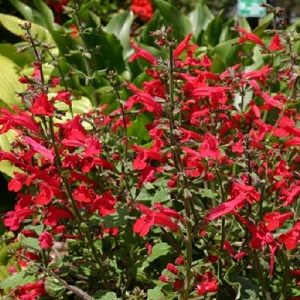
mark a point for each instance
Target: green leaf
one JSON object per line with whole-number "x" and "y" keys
{"x": 120, "y": 26}
{"x": 243, "y": 286}
{"x": 214, "y": 30}
{"x": 26, "y": 11}
{"x": 31, "y": 242}
{"x": 263, "y": 25}
{"x": 227, "y": 52}
{"x": 138, "y": 129}
{"x": 6, "y": 139}
{"x": 161, "y": 195}
{"x": 208, "y": 193}
{"x": 11, "y": 23}
{"x": 117, "y": 219}
{"x": 45, "y": 14}
{"x": 9, "y": 82}
{"x": 10, "y": 52}
{"x": 158, "y": 250}
{"x": 54, "y": 288}
{"x": 110, "y": 53}
{"x": 17, "y": 279}
{"x": 200, "y": 18}
{"x": 155, "y": 294}
{"x": 105, "y": 295}
{"x": 173, "y": 17}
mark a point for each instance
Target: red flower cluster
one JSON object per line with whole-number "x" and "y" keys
{"x": 142, "y": 8}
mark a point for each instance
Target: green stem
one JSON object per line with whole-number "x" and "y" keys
{"x": 88, "y": 68}
{"x": 188, "y": 205}
{"x": 220, "y": 264}
{"x": 261, "y": 278}
{"x": 286, "y": 274}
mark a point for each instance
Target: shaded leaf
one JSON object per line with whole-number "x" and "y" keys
{"x": 10, "y": 52}
{"x": 155, "y": 294}
{"x": 200, "y": 18}
{"x": 158, "y": 250}
{"x": 173, "y": 17}
{"x": 17, "y": 279}
{"x": 105, "y": 295}
{"x": 120, "y": 26}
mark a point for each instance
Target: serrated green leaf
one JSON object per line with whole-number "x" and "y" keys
{"x": 105, "y": 295}
{"x": 161, "y": 195}
{"x": 208, "y": 193}
{"x": 31, "y": 242}
{"x": 158, "y": 250}
{"x": 117, "y": 219}
{"x": 155, "y": 294}
{"x": 17, "y": 279}
{"x": 54, "y": 287}
{"x": 120, "y": 26}
{"x": 173, "y": 17}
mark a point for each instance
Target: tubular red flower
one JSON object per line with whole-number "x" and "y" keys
{"x": 45, "y": 240}
{"x": 248, "y": 36}
{"x": 151, "y": 217}
{"x": 276, "y": 219}
{"x": 141, "y": 53}
{"x": 276, "y": 43}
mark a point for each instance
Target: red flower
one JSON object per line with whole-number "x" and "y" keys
{"x": 42, "y": 106}
{"x": 276, "y": 43}
{"x": 141, "y": 53}
{"x": 75, "y": 32}
{"x": 64, "y": 97}
{"x": 207, "y": 286}
{"x": 171, "y": 268}
{"x": 45, "y": 195}
{"x": 209, "y": 147}
{"x": 38, "y": 148}
{"x": 276, "y": 220}
{"x": 45, "y": 240}
{"x": 164, "y": 278}
{"x": 184, "y": 45}
{"x": 17, "y": 119}
{"x": 13, "y": 219}
{"x": 178, "y": 284}
{"x": 152, "y": 217}
{"x": 31, "y": 291}
{"x": 104, "y": 204}
{"x": 248, "y": 36}
{"x": 54, "y": 215}
{"x": 142, "y": 8}
{"x": 225, "y": 208}
{"x": 144, "y": 98}
{"x": 291, "y": 238}
{"x": 83, "y": 194}
{"x": 55, "y": 81}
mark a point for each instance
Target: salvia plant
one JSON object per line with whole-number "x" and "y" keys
{"x": 185, "y": 186}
